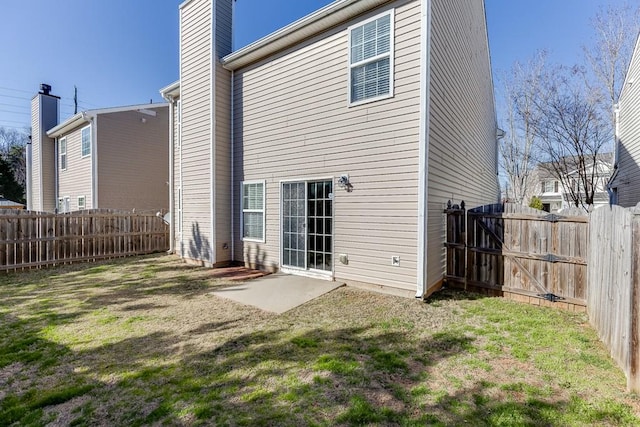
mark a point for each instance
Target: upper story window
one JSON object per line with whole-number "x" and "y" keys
{"x": 371, "y": 59}
{"x": 550, "y": 186}
{"x": 63, "y": 153}
{"x": 86, "y": 141}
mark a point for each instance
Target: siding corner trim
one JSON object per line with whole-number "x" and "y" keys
{"x": 423, "y": 171}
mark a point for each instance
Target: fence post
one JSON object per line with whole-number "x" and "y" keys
{"x": 633, "y": 380}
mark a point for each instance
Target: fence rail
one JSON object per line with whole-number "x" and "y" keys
{"x": 37, "y": 239}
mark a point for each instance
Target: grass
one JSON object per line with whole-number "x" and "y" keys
{"x": 144, "y": 342}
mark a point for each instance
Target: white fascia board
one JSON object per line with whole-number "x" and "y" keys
{"x": 315, "y": 23}
{"x": 184, "y": 3}
{"x": 71, "y": 123}
{"x": 634, "y": 57}
{"x": 171, "y": 90}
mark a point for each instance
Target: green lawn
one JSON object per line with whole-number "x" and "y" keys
{"x": 142, "y": 341}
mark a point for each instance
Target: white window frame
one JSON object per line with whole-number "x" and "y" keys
{"x": 82, "y": 206}
{"x": 390, "y": 55}
{"x": 64, "y": 204}
{"x": 263, "y": 211}
{"x": 82, "y": 153}
{"x": 63, "y": 153}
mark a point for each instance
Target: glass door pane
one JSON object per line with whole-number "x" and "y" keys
{"x": 293, "y": 224}
{"x": 319, "y": 220}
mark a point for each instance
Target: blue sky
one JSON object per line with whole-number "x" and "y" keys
{"x": 120, "y": 52}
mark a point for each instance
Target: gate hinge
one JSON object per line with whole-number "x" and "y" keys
{"x": 551, "y": 297}
{"x": 551, "y": 258}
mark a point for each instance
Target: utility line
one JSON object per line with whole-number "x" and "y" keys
{"x": 15, "y": 112}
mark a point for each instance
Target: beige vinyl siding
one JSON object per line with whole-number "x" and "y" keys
{"x": 292, "y": 120}
{"x": 133, "y": 160}
{"x": 195, "y": 93}
{"x": 76, "y": 179}
{"x": 177, "y": 173}
{"x": 44, "y": 116}
{"x": 628, "y": 179}
{"x": 462, "y": 135}
{"x": 36, "y": 158}
{"x": 222, "y": 180}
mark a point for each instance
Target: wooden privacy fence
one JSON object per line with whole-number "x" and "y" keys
{"x": 577, "y": 262}
{"x": 518, "y": 252}
{"x": 613, "y": 295}
{"x": 37, "y": 239}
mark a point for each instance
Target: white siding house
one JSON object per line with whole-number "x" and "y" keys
{"x": 330, "y": 147}
{"x": 625, "y": 183}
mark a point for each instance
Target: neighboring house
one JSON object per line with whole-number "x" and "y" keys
{"x": 8, "y": 204}
{"x": 556, "y": 194}
{"x": 330, "y": 147}
{"x": 115, "y": 158}
{"x": 625, "y": 182}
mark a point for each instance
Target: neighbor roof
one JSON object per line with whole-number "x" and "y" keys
{"x": 6, "y": 202}
{"x": 85, "y": 116}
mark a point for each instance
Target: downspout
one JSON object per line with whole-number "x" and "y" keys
{"x": 172, "y": 213}
{"x": 423, "y": 144}
{"x": 616, "y": 139}
{"x": 94, "y": 160}
{"x": 233, "y": 184}
{"x": 56, "y": 178}
{"x": 212, "y": 139}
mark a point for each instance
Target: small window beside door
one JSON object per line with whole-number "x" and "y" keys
{"x": 252, "y": 220}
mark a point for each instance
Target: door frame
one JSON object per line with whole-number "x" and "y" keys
{"x": 318, "y": 274}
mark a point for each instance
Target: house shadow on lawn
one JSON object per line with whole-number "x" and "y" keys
{"x": 235, "y": 366}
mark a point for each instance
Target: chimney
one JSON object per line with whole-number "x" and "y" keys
{"x": 41, "y": 162}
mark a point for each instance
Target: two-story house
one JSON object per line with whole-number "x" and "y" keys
{"x": 115, "y": 158}
{"x": 330, "y": 147}
{"x": 559, "y": 192}
{"x": 625, "y": 182}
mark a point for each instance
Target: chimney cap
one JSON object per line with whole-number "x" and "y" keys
{"x": 45, "y": 89}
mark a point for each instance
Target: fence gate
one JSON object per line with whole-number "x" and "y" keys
{"x": 518, "y": 252}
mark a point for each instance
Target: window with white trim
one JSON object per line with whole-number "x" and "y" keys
{"x": 82, "y": 202}
{"x": 86, "y": 141}
{"x": 63, "y": 204}
{"x": 371, "y": 59}
{"x": 252, "y": 220}
{"x": 63, "y": 153}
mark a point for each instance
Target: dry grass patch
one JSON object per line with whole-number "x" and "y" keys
{"x": 143, "y": 341}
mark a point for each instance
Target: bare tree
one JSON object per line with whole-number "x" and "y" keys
{"x": 12, "y": 150}
{"x": 572, "y": 131}
{"x": 615, "y": 31}
{"x": 521, "y": 87}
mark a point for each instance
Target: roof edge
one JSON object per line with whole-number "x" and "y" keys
{"x": 170, "y": 90}
{"x": 627, "y": 76}
{"x": 332, "y": 14}
{"x": 84, "y": 117}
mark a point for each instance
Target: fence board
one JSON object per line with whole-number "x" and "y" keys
{"x": 37, "y": 239}
{"x": 613, "y": 283}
